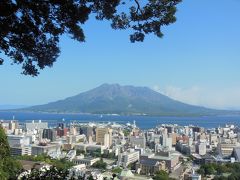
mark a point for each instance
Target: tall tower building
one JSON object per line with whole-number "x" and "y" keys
{"x": 104, "y": 136}
{"x": 13, "y": 125}
{"x": 49, "y": 134}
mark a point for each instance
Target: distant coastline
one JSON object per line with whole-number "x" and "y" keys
{"x": 114, "y": 114}
{"x": 144, "y": 122}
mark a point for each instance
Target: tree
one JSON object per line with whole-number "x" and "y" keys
{"x": 12, "y": 167}
{"x": 209, "y": 169}
{"x": 60, "y": 164}
{"x": 90, "y": 177}
{"x": 96, "y": 153}
{"x": 79, "y": 152}
{"x": 9, "y": 167}
{"x": 110, "y": 155}
{"x": 201, "y": 171}
{"x": 132, "y": 166}
{"x": 117, "y": 170}
{"x": 161, "y": 175}
{"x": 126, "y": 132}
{"x": 221, "y": 169}
{"x": 51, "y": 173}
{"x": 30, "y": 30}
{"x": 100, "y": 164}
{"x": 4, "y": 146}
{"x": 114, "y": 176}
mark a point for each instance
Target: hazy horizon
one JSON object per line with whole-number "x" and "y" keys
{"x": 17, "y": 106}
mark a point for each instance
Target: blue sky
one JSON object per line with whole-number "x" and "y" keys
{"x": 197, "y": 61}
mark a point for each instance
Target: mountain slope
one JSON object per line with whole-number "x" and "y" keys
{"x": 116, "y": 99}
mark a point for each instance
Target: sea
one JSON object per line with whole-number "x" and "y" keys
{"x": 143, "y": 122}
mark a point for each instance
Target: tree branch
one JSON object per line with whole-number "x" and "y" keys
{"x": 138, "y": 6}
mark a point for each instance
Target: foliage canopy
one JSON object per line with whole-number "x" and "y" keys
{"x": 59, "y": 164}
{"x": 228, "y": 171}
{"x": 9, "y": 167}
{"x": 161, "y": 175}
{"x": 100, "y": 164}
{"x": 30, "y": 30}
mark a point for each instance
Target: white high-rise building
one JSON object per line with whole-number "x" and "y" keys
{"x": 36, "y": 125}
{"x": 127, "y": 158}
{"x": 201, "y": 148}
{"x": 19, "y": 145}
{"x": 107, "y": 140}
{"x": 18, "y": 140}
{"x": 190, "y": 141}
{"x": 166, "y": 141}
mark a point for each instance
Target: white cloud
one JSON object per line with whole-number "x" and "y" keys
{"x": 219, "y": 98}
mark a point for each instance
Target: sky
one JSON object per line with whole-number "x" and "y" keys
{"x": 197, "y": 61}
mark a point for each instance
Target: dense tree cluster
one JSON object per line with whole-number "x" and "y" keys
{"x": 96, "y": 153}
{"x": 30, "y": 30}
{"x": 9, "y": 167}
{"x": 100, "y": 164}
{"x": 228, "y": 171}
{"x": 79, "y": 152}
{"x": 60, "y": 164}
{"x": 117, "y": 170}
{"x": 161, "y": 175}
{"x": 110, "y": 155}
{"x": 46, "y": 173}
{"x": 126, "y": 132}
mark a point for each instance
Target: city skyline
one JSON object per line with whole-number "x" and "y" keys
{"x": 196, "y": 62}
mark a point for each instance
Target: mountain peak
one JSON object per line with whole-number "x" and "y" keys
{"x": 117, "y": 99}
{"x": 110, "y": 85}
